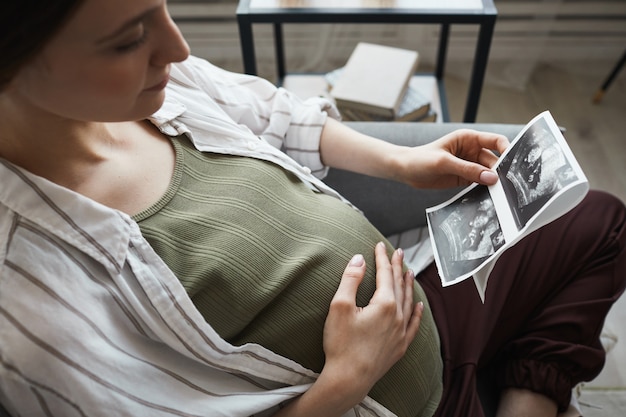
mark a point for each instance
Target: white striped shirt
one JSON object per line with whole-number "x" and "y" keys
{"x": 92, "y": 322}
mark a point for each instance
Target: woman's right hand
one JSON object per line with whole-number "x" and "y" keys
{"x": 362, "y": 343}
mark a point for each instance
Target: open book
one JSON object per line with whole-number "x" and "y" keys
{"x": 540, "y": 180}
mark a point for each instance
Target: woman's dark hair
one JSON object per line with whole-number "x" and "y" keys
{"x": 26, "y": 26}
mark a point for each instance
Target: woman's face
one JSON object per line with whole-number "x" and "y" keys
{"x": 110, "y": 62}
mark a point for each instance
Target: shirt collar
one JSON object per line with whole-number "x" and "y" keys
{"x": 101, "y": 232}
{"x": 164, "y": 118}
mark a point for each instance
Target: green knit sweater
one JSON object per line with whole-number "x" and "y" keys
{"x": 261, "y": 255}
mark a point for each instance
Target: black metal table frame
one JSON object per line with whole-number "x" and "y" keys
{"x": 485, "y": 18}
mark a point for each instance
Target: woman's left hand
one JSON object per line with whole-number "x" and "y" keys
{"x": 456, "y": 159}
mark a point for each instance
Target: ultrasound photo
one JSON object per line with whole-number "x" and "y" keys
{"x": 467, "y": 233}
{"x": 534, "y": 171}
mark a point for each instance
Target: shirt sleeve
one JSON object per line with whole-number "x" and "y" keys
{"x": 276, "y": 115}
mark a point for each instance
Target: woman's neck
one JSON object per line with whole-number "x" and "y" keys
{"x": 45, "y": 149}
{"x": 52, "y": 146}
{"x": 124, "y": 165}
{"x": 127, "y": 166}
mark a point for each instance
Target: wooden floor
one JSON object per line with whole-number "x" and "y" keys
{"x": 595, "y": 132}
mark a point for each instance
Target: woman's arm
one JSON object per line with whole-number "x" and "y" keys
{"x": 459, "y": 158}
{"x": 361, "y": 343}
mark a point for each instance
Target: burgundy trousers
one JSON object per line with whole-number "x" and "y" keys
{"x": 545, "y": 306}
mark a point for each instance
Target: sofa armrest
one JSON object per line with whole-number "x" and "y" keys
{"x": 393, "y": 207}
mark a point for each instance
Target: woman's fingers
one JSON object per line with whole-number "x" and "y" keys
{"x": 484, "y": 140}
{"x": 385, "y": 286}
{"x": 402, "y": 285}
{"x": 351, "y": 279}
{"x": 407, "y": 302}
{"x": 472, "y": 154}
{"x": 397, "y": 260}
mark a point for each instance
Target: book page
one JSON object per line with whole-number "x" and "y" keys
{"x": 540, "y": 180}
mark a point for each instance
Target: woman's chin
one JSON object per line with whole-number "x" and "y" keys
{"x": 148, "y": 106}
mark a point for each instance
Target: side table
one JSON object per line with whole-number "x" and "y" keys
{"x": 444, "y": 12}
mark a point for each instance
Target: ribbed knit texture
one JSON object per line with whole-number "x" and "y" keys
{"x": 261, "y": 255}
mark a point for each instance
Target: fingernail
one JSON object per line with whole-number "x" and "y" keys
{"x": 411, "y": 273}
{"x": 400, "y": 252}
{"x": 420, "y": 305}
{"x": 357, "y": 260}
{"x": 488, "y": 177}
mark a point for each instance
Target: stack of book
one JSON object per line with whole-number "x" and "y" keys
{"x": 374, "y": 86}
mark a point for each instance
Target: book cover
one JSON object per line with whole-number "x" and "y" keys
{"x": 375, "y": 79}
{"x": 414, "y": 105}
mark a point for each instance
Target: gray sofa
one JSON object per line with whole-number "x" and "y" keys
{"x": 375, "y": 196}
